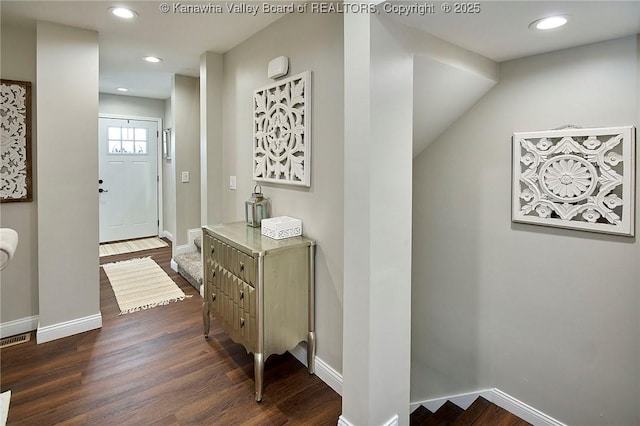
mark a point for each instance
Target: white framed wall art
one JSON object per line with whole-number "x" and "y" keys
{"x": 282, "y": 131}
{"x": 575, "y": 178}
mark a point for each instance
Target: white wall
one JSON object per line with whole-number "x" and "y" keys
{"x": 311, "y": 42}
{"x": 19, "y": 282}
{"x": 131, "y": 105}
{"x": 185, "y": 107}
{"x": 67, "y": 108}
{"x": 548, "y": 316}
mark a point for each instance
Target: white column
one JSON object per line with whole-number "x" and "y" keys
{"x": 211, "y": 182}
{"x": 185, "y": 107}
{"x": 377, "y": 222}
{"x": 67, "y": 146}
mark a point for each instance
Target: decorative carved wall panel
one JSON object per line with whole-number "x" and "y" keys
{"x": 575, "y": 178}
{"x": 282, "y": 131}
{"x": 15, "y": 141}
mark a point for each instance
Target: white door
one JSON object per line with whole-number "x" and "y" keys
{"x": 128, "y": 183}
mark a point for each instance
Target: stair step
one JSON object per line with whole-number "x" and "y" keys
{"x": 420, "y": 416}
{"x": 190, "y": 267}
{"x": 472, "y": 413}
{"x": 445, "y": 415}
{"x": 480, "y": 413}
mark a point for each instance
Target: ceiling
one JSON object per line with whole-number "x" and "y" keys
{"x": 499, "y": 31}
{"x": 178, "y": 38}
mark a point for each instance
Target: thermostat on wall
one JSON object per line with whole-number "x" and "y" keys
{"x": 278, "y": 67}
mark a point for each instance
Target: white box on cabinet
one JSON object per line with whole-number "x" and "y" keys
{"x": 281, "y": 227}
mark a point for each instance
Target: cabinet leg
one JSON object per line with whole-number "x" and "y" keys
{"x": 206, "y": 319}
{"x": 258, "y": 366}
{"x": 311, "y": 352}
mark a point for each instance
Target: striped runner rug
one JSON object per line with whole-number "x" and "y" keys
{"x": 131, "y": 246}
{"x": 141, "y": 284}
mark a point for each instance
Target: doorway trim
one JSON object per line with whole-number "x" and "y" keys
{"x": 158, "y": 159}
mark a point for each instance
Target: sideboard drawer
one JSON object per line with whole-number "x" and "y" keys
{"x": 246, "y": 268}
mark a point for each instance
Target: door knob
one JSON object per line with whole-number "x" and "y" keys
{"x": 102, "y": 190}
{"x": 100, "y": 181}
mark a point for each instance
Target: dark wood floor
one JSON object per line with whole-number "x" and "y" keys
{"x": 155, "y": 367}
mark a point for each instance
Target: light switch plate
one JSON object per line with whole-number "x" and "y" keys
{"x": 232, "y": 182}
{"x": 185, "y": 177}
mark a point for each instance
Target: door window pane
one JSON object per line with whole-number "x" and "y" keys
{"x": 140, "y": 134}
{"x": 114, "y": 147}
{"x": 127, "y": 147}
{"x": 141, "y": 147}
{"x": 127, "y": 140}
{"x": 114, "y": 132}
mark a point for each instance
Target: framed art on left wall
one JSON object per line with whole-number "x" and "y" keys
{"x": 15, "y": 142}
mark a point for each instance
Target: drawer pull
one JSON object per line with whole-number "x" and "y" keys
{"x": 213, "y": 250}
{"x": 241, "y": 322}
{"x": 241, "y": 266}
{"x": 213, "y": 297}
{"x": 241, "y": 294}
{"x": 213, "y": 274}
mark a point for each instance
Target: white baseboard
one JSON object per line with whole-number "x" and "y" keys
{"x": 342, "y": 421}
{"x": 393, "y": 421}
{"x": 167, "y": 235}
{"x": 522, "y": 410}
{"x": 68, "y": 328}
{"x": 501, "y": 399}
{"x": 174, "y": 265}
{"x": 19, "y": 326}
{"x": 323, "y": 370}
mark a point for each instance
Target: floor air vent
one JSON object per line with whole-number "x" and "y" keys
{"x": 15, "y": 340}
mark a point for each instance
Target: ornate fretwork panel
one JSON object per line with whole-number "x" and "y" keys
{"x": 282, "y": 131}
{"x": 575, "y": 178}
{"x": 15, "y": 141}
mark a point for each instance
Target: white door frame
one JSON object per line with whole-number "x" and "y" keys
{"x": 159, "y": 159}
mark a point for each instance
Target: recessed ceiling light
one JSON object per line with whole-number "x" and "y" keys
{"x": 122, "y": 89}
{"x": 549, "y": 23}
{"x": 123, "y": 12}
{"x": 152, "y": 59}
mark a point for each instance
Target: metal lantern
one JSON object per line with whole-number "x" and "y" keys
{"x": 257, "y": 207}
